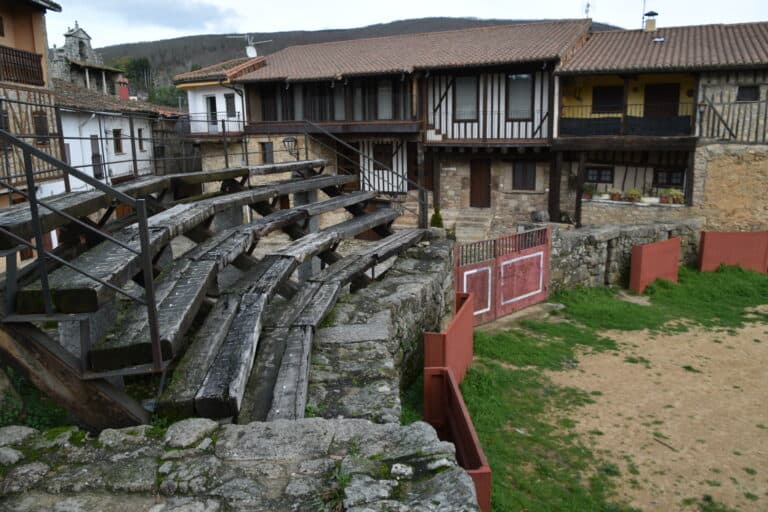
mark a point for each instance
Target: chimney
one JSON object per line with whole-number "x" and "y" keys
{"x": 650, "y": 21}
{"x": 122, "y": 89}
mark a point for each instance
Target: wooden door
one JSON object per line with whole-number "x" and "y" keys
{"x": 480, "y": 183}
{"x": 662, "y": 100}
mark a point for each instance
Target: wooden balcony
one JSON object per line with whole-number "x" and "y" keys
{"x": 337, "y": 127}
{"x": 21, "y": 66}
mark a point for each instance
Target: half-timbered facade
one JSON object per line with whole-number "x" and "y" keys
{"x": 466, "y": 113}
{"x": 655, "y": 117}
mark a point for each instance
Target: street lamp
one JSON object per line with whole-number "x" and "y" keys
{"x": 292, "y": 146}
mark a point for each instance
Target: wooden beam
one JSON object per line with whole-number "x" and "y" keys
{"x": 53, "y": 371}
{"x": 580, "y": 186}
{"x": 555, "y": 179}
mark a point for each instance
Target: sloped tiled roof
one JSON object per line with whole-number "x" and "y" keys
{"x": 226, "y": 70}
{"x": 70, "y": 95}
{"x": 693, "y": 48}
{"x": 505, "y": 44}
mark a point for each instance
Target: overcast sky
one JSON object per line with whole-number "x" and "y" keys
{"x": 120, "y": 21}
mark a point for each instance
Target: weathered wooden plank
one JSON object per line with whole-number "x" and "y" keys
{"x": 222, "y": 391}
{"x": 363, "y": 223}
{"x": 224, "y": 247}
{"x": 290, "y": 392}
{"x": 313, "y": 183}
{"x": 178, "y": 400}
{"x": 181, "y": 218}
{"x": 223, "y": 202}
{"x": 289, "y": 312}
{"x": 281, "y": 167}
{"x": 257, "y": 399}
{"x": 279, "y": 269}
{"x": 73, "y": 292}
{"x": 346, "y": 269}
{"x": 308, "y": 246}
{"x": 194, "y": 178}
{"x": 394, "y": 244}
{"x": 280, "y": 219}
{"x": 175, "y": 314}
{"x": 51, "y": 369}
{"x": 338, "y": 202}
{"x": 313, "y": 313}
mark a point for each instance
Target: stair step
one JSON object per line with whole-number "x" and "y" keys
{"x": 175, "y": 313}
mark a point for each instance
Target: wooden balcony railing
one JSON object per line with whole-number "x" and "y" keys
{"x": 21, "y": 66}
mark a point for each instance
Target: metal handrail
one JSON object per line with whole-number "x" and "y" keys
{"x": 144, "y": 254}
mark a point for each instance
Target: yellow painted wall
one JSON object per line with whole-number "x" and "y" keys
{"x": 577, "y": 92}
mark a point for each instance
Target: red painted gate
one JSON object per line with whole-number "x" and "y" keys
{"x": 505, "y": 274}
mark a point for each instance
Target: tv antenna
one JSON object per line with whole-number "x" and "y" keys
{"x": 586, "y": 9}
{"x": 250, "y": 48}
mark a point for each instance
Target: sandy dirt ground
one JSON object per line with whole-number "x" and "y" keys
{"x": 687, "y": 418}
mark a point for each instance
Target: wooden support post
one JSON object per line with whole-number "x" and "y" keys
{"x": 224, "y": 137}
{"x": 63, "y": 148}
{"x": 436, "y": 180}
{"x": 624, "y": 106}
{"x": 423, "y": 206}
{"x": 312, "y": 266}
{"x": 133, "y": 146}
{"x": 555, "y": 178}
{"x": 580, "y": 186}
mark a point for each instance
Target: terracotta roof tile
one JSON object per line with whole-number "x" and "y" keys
{"x": 220, "y": 71}
{"x": 693, "y": 48}
{"x": 505, "y": 44}
{"x": 70, "y": 95}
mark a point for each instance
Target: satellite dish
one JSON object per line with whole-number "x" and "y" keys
{"x": 251, "y": 52}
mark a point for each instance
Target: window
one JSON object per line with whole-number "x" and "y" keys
{"x": 524, "y": 175}
{"x": 599, "y": 175}
{"x": 384, "y": 100}
{"x": 339, "y": 99}
{"x": 668, "y": 178}
{"x": 748, "y": 93}
{"x": 267, "y": 153}
{"x": 140, "y": 132}
{"x": 607, "y": 100}
{"x": 382, "y": 154}
{"x": 117, "y": 140}
{"x": 40, "y": 123}
{"x": 229, "y": 100}
{"x": 465, "y": 98}
{"x": 520, "y": 97}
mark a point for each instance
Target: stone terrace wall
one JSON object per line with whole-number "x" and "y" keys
{"x": 372, "y": 342}
{"x": 603, "y": 213}
{"x": 197, "y": 466}
{"x": 600, "y": 256}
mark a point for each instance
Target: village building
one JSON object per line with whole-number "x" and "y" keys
{"x": 77, "y": 62}
{"x": 27, "y": 107}
{"x": 663, "y": 112}
{"x": 216, "y": 118}
{"x": 468, "y": 114}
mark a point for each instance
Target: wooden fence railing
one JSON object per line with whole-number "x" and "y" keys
{"x": 21, "y": 66}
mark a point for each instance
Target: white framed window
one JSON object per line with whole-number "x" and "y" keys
{"x": 465, "y": 98}
{"x": 520, "y": 97}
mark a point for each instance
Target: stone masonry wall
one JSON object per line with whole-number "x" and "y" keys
{"x": 600, "y": 256}
{"x": 731, "y": 186}
{"x": 602, "y": 213}
{"x": 196, "y": 465}
{"x": 371, "y": 344}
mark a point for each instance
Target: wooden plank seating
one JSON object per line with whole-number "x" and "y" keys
{"x": 278, "y": 385}
{"x": 72, "y": 292}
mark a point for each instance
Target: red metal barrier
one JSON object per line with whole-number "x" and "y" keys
{"x": 746, "y": 249}
{"x": 445, "y": 410}
{"x": 659, "y": 260}
{"x": 454, "y": 347}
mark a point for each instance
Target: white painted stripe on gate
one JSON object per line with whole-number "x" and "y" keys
{"x": 540, "y": 255}
{"x": 489, "y": 299}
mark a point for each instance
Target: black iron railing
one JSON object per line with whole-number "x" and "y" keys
{"x": 21, "y": 66}
{"x": 144, "y": 251}
{"x": 658, "y": 120}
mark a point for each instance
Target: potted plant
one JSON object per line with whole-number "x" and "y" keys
{"x": 588, "y": 191}
{"x": 634, "y": 195}
{"x": 665, "y": 196}
{"x": 677, "y": 196}
{"x": 615, "y": 194}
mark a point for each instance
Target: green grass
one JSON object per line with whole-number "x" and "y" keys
{"x": 711, "y": 299}
{"x": 539, "y": 463}
{"x": 29, "y": 406}
{"x": 411, "y": 402}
